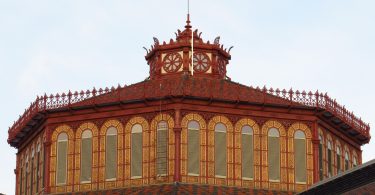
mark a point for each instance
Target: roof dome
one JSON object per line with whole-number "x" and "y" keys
{"x": 174, "y": 58}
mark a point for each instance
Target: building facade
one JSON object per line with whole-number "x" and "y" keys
{"x": 188, "y": 124}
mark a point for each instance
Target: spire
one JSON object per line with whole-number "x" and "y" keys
{"x": 188, "y": 16}
{"x": 188, "y": 26}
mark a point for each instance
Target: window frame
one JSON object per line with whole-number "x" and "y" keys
{"x": 225, "y": 131}
{"x": 273, "y": 134}
{"x": 189, "y": 128}
{"x": 66, "y": 157}
{"x": 251, "y": 133}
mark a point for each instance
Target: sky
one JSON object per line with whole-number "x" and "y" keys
{"x": 56, "y": 46}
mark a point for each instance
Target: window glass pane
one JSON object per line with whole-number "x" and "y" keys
{"x": 300, "y": 159}
{"x": 21, "y": 180}
{"x": 111, "y": 153}
{"x": 62, "y": 137}
{"x": 321, "y": 157}
{"x": 321, "y": 161}
{"x": 32, "y": 173}
{"x": 329, "y": 155}
{"x": 346, "y": 161}
{"x": 247, "y": 130}
{"x": 338, "y": 159}
{"x": 86, "y": 156}
{"x": 112, "y": 131}
{"x": 37, "y": 170}
{"x": 136, "y": 155}
{"x": 137, "y": 128}
{"x": 61, "y": 170}
{"x": 247, "y": 154}
{"x": 193, "y": 151}
{"x": 274, "y": 158}
{"x": 161, "y": 148}
{"x": 162, "y": 125}
{"x": 273, "y": 132}
{"x": 27, "y": 176}
{"x": 193, "y": 125}
{"x": 220, "y": 154}
{"x": 220, "y": 127}
{"x": 299, "y": 134}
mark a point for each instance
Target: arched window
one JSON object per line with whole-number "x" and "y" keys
{"x": 346, "y": 160}
{"x": 37, "y": 167}
{"x": 62, "y": 157}
{"x": 300, "y": 156}
{"x": 220, "y": 150}
{"x": 247, "y": 152}
{"x": 355, "y": 163}
{"x": 136, "y": 151}
{"x": 27, "y": 174}
{"x": 274, "y": 154}
{"x": 21, "y": 176}
{"x": 86, "y": 156}
{"x": 321, "y": 168}
{"x": 338, "y": 159}
{"x": 329, "y": 155}
{"x": 193, "y": 148}
{"x": 162, "y": 148}
{"x": 32, "y": 171}
{"x": 111, "y": 154}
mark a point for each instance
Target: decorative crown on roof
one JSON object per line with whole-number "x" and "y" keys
{"x": 174, "y": 58}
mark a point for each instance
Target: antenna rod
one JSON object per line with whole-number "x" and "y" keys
{"x": 192, "y": 52}
{"x": 188, "y": 6}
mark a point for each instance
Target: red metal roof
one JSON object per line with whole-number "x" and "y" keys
{"x": 185, "y": 86}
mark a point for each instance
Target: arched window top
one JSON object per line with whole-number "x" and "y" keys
{"x": 247, "y": 130}
{"x": 273, "y": 132}
{"x": 220, "y": 127}
{"x": 193, "y": 125}
{"x": 111, "y": 131}
{"x": 38, "y": 147}
{"x": 338, "y": 150}
{"x": 62, "y": 137}
{"x": 137, "y": 128}
{"x": 86, "y": 134}
{"x": 299, "y": 135}
{"x": 329, "y": 145}
{"x": 321, "y": 139}
{"x": 162, "y": 125}
{"x": 355, "y": 161}
{"x": 346, "y": 155}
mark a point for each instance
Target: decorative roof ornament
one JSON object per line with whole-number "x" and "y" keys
{"x": 188, "y": 54}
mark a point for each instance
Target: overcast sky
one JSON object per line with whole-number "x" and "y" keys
{"x": 54, "y": 46}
